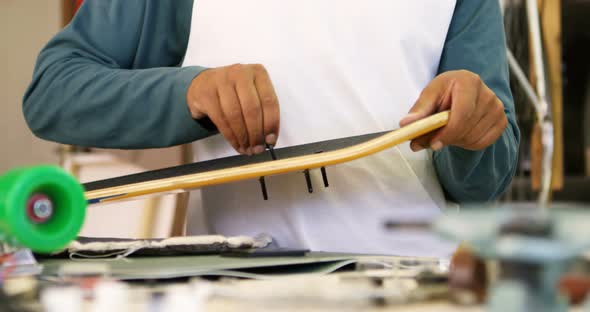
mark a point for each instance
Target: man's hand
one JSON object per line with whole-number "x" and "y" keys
{"x": 241, "y": 101}
{"x": 477, "y": 117}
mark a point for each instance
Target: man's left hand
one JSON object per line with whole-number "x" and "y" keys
{"x": 477, "y": 117}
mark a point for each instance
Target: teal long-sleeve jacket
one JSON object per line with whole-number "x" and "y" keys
{"x": 112, "y": 79}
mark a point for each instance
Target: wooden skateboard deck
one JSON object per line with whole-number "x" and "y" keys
{"x": 236, "y": 168}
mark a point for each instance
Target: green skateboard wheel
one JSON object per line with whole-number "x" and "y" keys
{"x": 41, "y": 208}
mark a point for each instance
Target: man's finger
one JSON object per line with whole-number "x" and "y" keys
{"x": 422, "y": 142}
{"x": 464, "y": 98}
{"x": 428, "y": 102}
{"x": 232, "y": 113}
{"x": 252, "y": 113}
{"x": 216, "y": 115}
{"x": 483, "y": 126}
{"x": 485, "y": 101}
{"x": 489, "y": 137}
{"x": 496, "y": 119}
{"x": 270, "y": 105}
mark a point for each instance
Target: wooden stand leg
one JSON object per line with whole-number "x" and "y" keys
{"x": 182, "y": 199}
{"x": 149, "y": 217}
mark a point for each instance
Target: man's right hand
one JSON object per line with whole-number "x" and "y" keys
{"x": 241, "y": 101}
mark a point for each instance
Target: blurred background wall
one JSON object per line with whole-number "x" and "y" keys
{"x": 25, "y": 26}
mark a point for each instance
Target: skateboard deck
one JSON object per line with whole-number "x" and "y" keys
{"x": 237, "y": 168}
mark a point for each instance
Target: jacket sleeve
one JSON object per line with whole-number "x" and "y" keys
{"x": 111, "y": 78}
{"x": 476, "y": 42}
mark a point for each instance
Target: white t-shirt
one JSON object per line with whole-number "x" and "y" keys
{"x": 340, "y": 68}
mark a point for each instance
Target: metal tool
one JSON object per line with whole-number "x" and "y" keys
{"x": 533, "y": 253}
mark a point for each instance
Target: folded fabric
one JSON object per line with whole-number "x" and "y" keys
{"x": 89, "y": 247}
